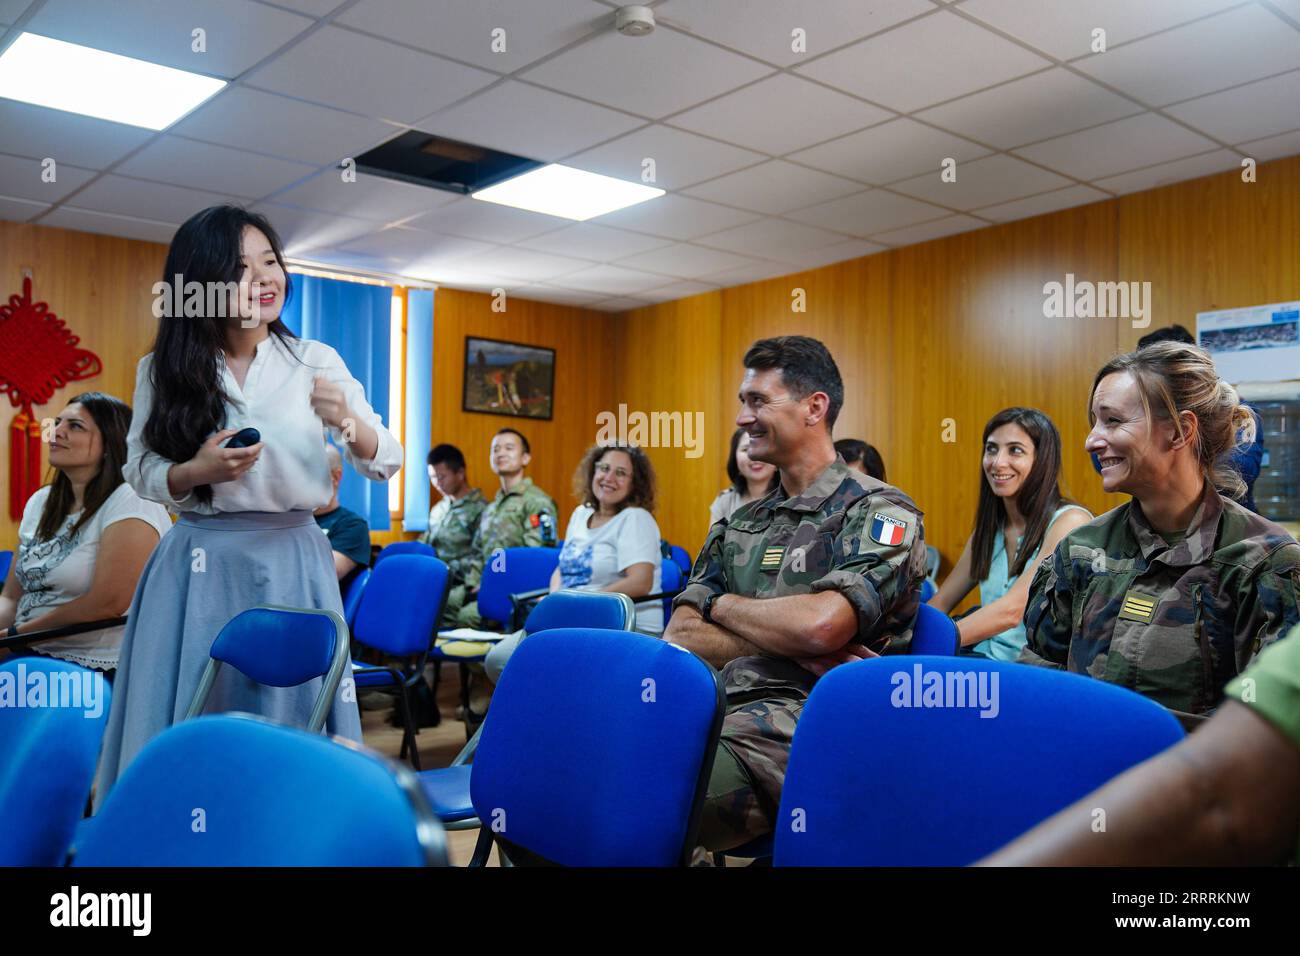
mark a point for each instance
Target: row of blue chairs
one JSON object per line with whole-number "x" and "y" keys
{"x": 574, "y": 791}
{"x": 283, "y": 647}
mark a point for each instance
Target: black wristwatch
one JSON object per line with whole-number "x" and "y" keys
{"x": 706, "y": 609}
{"x": 13, "y": 631}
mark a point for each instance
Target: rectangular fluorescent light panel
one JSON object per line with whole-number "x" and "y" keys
{"x": 79, "y": 79}
{"x": 564, "y": 191}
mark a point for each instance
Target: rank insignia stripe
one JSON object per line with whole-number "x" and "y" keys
{"x": 1138, "y": 607}
{"x": 772, "y": 558}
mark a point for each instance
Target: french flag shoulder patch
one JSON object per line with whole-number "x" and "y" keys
{"x": 886, "y": 530}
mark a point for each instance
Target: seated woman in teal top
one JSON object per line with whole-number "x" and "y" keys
{"x": 1021, "y": 515}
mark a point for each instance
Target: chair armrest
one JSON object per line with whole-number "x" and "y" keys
{"x": 53, "y": 633}
{"x": 520, "y": 600}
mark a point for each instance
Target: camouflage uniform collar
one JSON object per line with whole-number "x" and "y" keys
{"x": 518, "y": 489}
{"x": 815, "y": 495}
{"x": 474, "y": 497}
{"x": 1195, "y": 548}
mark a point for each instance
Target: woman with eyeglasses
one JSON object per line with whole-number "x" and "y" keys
{"x": 612, "y": 541}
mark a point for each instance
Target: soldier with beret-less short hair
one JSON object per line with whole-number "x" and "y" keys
{"x": 520, "y": 516}
{"x": 824, "y": 570}
{"x": 1173, "y": 593}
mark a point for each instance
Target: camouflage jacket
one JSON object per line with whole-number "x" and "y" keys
{"x": 512, "y": 520}
{"x": 846, "y": 532}
{"x": 1172, "y": 622}
{"x": 452, "y": 524}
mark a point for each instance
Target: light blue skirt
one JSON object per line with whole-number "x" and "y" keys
{"x": 206, "y": 570}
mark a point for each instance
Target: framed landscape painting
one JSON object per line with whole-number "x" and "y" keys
{"x": 508, "y": 378}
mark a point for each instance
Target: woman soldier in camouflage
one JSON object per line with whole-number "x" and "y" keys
{"x": 1173, "y": 593}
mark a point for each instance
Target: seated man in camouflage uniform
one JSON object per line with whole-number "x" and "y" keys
{"x": 520, "y": 516}
{"x": 454, "y": 519}
{"x": 824, "y": 570}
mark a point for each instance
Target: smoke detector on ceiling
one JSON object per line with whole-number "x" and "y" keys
{"x": 635, "y": 20}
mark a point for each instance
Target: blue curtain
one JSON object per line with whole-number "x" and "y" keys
{"x": 419, "y": 391}
{"x": 353, "y": 319}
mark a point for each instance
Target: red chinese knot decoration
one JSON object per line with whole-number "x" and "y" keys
{"x": 38, "y": 356}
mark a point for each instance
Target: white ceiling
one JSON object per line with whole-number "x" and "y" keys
{"x": 774, "y": 160}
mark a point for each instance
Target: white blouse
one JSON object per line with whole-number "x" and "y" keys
{"x": 58, "y": 570}
{"x": 292, "y": 473}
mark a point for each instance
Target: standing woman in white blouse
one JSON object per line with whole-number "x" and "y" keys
{"x": 246, "y": 535}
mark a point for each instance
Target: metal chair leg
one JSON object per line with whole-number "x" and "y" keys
{"x": 482, "y": 848}
{"x": 408, "y": 735}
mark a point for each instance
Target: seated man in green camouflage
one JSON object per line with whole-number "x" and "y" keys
{"x": 824, "y": 570}
{"x": 520, "y": 516}
{"x": 454, "y": 519}
{"x": 1228, "y": 795}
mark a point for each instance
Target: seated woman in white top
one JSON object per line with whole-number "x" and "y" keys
{"x": 1021, "y": 515}
{"x": 750, "y": 480}
{"x": 246, "y": 535}
{"x": 612, "y": 542}
{"x": 84, "y": 537}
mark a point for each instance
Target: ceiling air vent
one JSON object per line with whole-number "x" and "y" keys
{"x": 428, "y": 160}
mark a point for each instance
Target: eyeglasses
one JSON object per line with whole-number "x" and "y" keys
{"x": 622, "y": 474}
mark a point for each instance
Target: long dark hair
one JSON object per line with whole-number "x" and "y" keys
{"x": 1038, "y": 499}
{"x": 112, "y": 417}
{"x": 738, "y": 481}
{"x": 188, "y": 399}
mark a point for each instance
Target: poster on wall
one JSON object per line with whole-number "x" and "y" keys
{"x": 1258, "y": 343}
{"x": 507, "y": 378}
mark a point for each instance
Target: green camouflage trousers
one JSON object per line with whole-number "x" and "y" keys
{"x": 457, "y": 613}
{"x": 744, "y": 790}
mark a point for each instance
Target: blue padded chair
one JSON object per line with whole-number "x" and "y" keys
{"x": 934, "y": 632}
{"x": 280, "y": 647}
{"x": 671, "y": 580}
{"x": 682, "y": 558}
{"x": 399, "y": 615}
{"x": 352, "y": 600}
{"x": 615, "y": 774}
{"x": 269, "y": 796}
{"x": 943, "y": 785}
{"x": 927, "y": 590}
{"x": 513, "y": 571}
{"x": 405, "y": 547}
{"x": 47, "y": 758}
{"x": 447, "y": 789}
{"x": 6, "y": 559}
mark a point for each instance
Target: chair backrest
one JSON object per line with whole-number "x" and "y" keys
{"x": 964, "y": 754}
{"x": 614, "y": 772}
{"x": 512, "y": 571}
{"x": 237, "y": 790}
{"x": 280, "y": 647}
{"x": 405, "y": 547}
{"x": 682, "y": 558}
{"x": 401, "y": 604}
{"x": 570, "y": 607}
{"x": 6, "y": 559}
{"x": 670, "y": 580}
{"x": 927, "y": 590}
{"x": 48, "y": 750}
{"x": 352, "y": 600}
{"x": 934, "y": 633}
